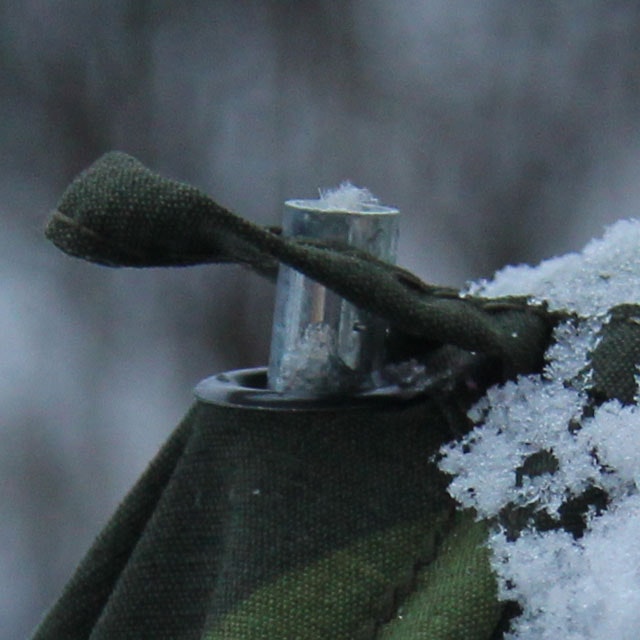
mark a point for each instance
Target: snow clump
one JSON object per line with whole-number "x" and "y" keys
{"x": 584, "y": 587}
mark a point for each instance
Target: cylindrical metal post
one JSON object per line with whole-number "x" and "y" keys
{"x": 322, "y": 344}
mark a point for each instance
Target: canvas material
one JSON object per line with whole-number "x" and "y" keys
{"x": 361, "y": 541}
{"x": 280, "y": 524}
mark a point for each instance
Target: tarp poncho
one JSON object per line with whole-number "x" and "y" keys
{"x": 328, "y": 522}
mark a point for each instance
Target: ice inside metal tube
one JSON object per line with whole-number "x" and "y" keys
{"x": 321, "y": 344}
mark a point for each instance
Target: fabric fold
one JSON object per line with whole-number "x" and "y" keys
{"x": 271, "y": 524}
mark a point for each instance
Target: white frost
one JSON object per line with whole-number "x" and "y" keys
{"x": 605, "y": 273}
{"x": 347, "y": 197}
{"x": 574, "y": 589}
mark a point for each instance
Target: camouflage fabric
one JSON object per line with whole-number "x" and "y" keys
{"x": 319, "y": 523}
{"x": 326, "y": 522}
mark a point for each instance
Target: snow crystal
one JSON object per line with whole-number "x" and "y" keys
{"x": 586, "y": 588}
{"x": 575, "y": 589}
{"x": 313, "y": 362}
{"x": 569, "y": 351}
{"x": 604, "y": 274}
{"x": 521, "y": 420}
{"x": 614, "y": 434}
{"x": 346, "y": 197}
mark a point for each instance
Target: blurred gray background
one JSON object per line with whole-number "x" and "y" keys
{"x": 505, "y": 131}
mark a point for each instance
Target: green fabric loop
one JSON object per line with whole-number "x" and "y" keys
{"x": 118, "y": 213}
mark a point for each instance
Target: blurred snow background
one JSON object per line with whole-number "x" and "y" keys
{"x": 505, "y": 132}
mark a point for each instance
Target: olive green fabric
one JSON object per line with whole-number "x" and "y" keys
{"x": 344, "y": 595}
{"x": 277, "y": 524}
{"x": 455, "y": 597}
{"x": 616, "y": 356}
{"x": 306, "y": 524}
